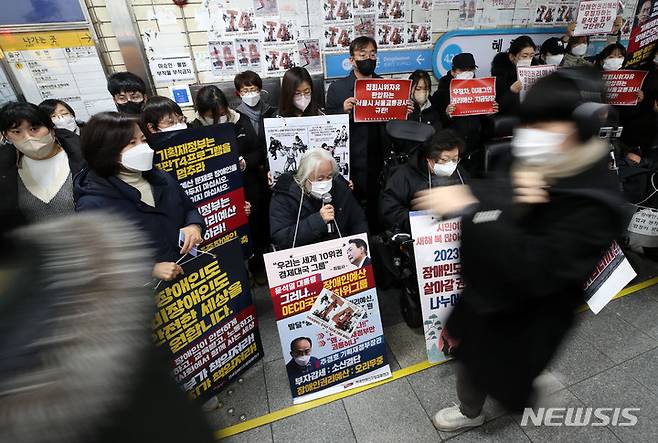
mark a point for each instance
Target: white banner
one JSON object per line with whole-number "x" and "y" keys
{"x": 528, "y": 75}
{"x": 596, "y": 17}
{"x": 611, "y": 275}
{"x": 438, "y": 267}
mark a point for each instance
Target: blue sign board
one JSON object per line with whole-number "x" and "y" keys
{"x": 388, "y": 62}
{"x": 29, "y": 12}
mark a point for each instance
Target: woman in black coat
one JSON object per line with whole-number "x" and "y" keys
{"x": 298, "y": 215}
{"x": 37, "y": 165}
{"x": 121, "y": 179}
{"x": 508, "y": 87}
{"x": 527, "y": 249}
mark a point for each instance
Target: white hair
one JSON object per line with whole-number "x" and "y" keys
{"x": 310, "y": 162}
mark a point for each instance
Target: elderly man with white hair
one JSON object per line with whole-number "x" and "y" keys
{"x": 313, "y": 204}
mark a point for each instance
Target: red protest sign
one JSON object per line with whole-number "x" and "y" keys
{"x": 473, "y": 97}
{"x": 595, "y": 17}
{"x": 381, "y": 100}
{"x": 622, "y": 86}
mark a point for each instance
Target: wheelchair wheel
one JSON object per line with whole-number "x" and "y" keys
{"x": 410, "y": 308}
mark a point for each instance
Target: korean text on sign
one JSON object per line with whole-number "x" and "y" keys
{"x": 380, "y": 100}
{"x": 473, "y": 97}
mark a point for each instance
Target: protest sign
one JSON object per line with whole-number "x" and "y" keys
{"x": 643, "y": 227}
{"x": 595, "y": 17}
{"x": 327, "y": 313}
{"x": 622, "y": 86}
{"x": 381, "y": 100}
{"x": 205, "y": 163}
{"x": 206, "y": 322}
{"x": 528, "y": 76}
{"x": 438, "y": 267}
{"x": 473, "y": 97}
{"x": 644, "y": 33}
{"x": 611, "y": 275}
{"x": 288, "y": 138}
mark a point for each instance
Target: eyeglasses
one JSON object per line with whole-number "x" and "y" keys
{"x": 303, "y": 94}
{"x": 135, "y": 97}
{"x": 247, "y": 90}
{"x": 443, "y": 161}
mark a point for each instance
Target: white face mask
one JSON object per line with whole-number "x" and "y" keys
{"x": 579, "y": 49}
{"x": 420, "y": 97}
{"x": 613, "y": 63}
{"x": 445, "y": 169}
{"x": 465, "y": 75}
{"x": 66, "y": 122}
{"x": 301, "y": 102}
{"x": 36, "y": 148}
{"x": 554, "y": 59}
{"x": 524, "y": 62}
{"x": 536, "y": 146}
{"x": 319, "y": 188}
{"x": 138, "y": 158}
{"x": 176, "y": 127}
{"x": 303, "y": 360}
{"x": 251, "y": 98}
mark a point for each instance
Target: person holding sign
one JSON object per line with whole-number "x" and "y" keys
{"x": 576, "y": 50}
{"x": 551, "y": 52}
{"x": 297, "y": 98}
{"x": 368, "y": 141}
{"x": 508, "y": 87}
{"x": 436, "y": 164}
{"x": 528, "y": 245}
{"x": 424, "y": 109}
{"x": 611, "y": 58}
{"x": 314, "y": 204}
{"x": 120, "y": 178}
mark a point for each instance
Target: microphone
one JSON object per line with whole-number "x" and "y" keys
{"x": 326, "y": 199}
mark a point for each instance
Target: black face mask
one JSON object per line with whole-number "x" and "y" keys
{"x": 367, "y": 66}
{"x": 130, "y": 107}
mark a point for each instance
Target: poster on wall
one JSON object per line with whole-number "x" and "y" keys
{"x": 175, "y": 69}
{"x": 309, "y": 55}
{"x": 206, "y": 322}
{"x": 205, "y": 163}
{"x": 248, "y": 52}
{"x": 644, "y": 33}
{"x": 545, "y": 13}
{"x": 7, "y": 93}
{"x": 222, "y": 58}
{"x": 288, "y": 138}
{"x": 327, "y": 313}
{"x": 61, "y": 65}
{"x": 438, "y": 269}
{"x": 266, "y": 8}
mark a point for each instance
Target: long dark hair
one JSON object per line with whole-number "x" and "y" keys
{"x": 104, "y": 137}
{"x": 211, "y": 98}
{"x": 291, "y": 81}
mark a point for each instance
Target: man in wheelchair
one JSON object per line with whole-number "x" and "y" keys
{"x": 431, "y": 164}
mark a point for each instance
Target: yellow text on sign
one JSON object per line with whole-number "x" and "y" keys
{"x": 27, "y": 41}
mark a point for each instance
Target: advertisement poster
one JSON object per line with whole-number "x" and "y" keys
{"x": 438, "y": 268}
{"x": 611, "y": 275}
{"x": 473, "y": 97}
{"x": 622, "y": 86}
{"x": 206, "y": 321}
{"x": 596, "y": 17}
{"x": 528, "y": 76}
{"x": 644, "y": 33}
{"x": 381, "y": 100}
{"x": 288, "y": 138}
{"x": 327, "y": 313}
{"x": 544, "y": 13}
{"x": 205, "y": 163}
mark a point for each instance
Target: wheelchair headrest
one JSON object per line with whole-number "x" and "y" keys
{"x": 409, "y": 130}
{"x": 503, "y": 125}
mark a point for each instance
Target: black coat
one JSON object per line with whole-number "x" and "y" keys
{"x": 368, "y": 141}
{"x": 505, "y": 72}
{"x": 640, "y": 121}
{"x": 284, "y": 208}
{"x": 402, "y": 186}
{"x": 468, "y": 127}
{"x": 173, "y": 208}
{"x": 524, "y": 273}
{"x": 10, "y": 215}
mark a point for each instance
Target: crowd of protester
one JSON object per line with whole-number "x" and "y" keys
{"x": 53, "y": 165}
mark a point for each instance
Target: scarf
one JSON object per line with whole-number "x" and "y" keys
{"x": 254, "y": 113}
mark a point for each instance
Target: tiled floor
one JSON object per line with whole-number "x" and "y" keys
{"x": 609, "y": 360}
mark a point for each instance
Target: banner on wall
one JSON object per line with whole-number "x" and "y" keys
{"x": 622, "y": 87}
{"x": 552, "y": 12}
{"x": 644, "y": 33}
{"x": 205, "y": 163}
{"x": 528, "y": 76}
{"x": 483, "y": 44}
{"x": 327, "y": 313}
{"x": 473, "y": 97}
{"x": 381, "y": 100}
{"x": 206, "y": 322}
{"x": 288, "y": 138}
{"x": 595, "y": 17}
{"x": 611, "y": 275}
{"x": 438, "y": 268}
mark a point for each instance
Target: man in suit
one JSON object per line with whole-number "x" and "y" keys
{"x": 357, "y": 253}
{"x": 302, "y": 362}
